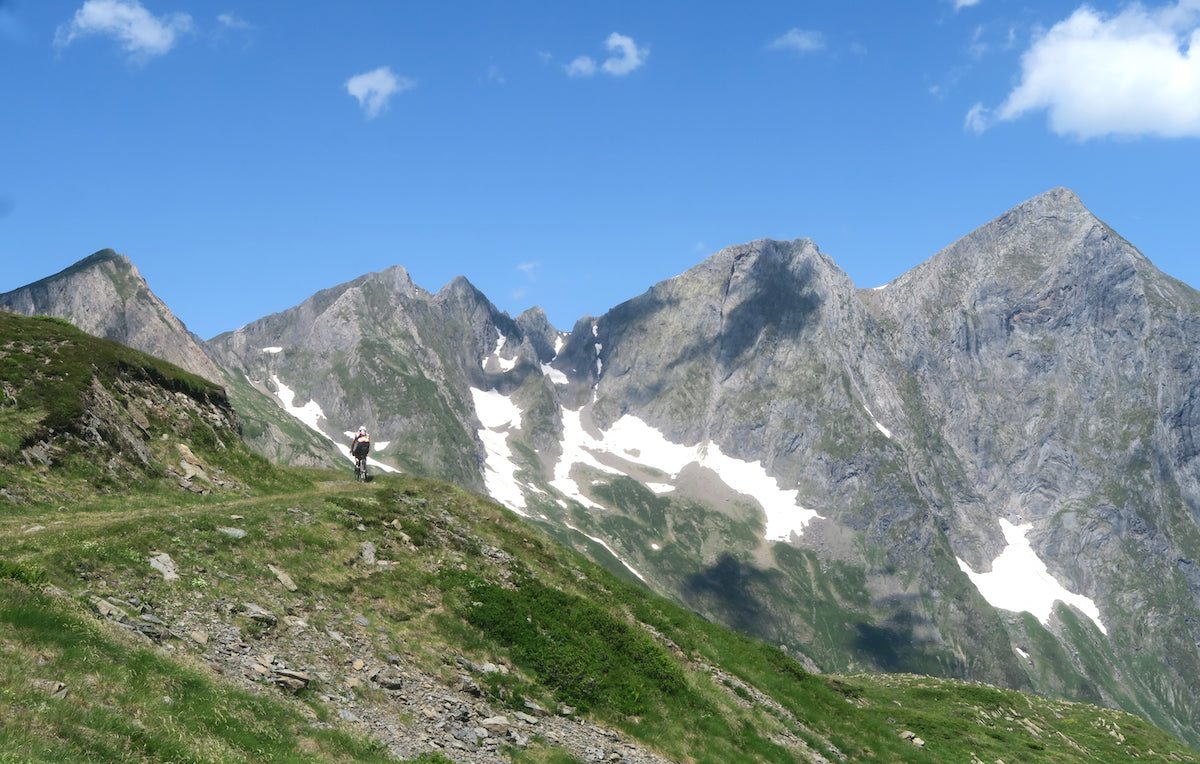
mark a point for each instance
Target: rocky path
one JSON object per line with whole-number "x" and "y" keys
{"x": 391, "y": 700}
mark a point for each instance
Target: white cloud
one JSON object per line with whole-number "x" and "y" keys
{"x": 233, "y": 22}
{"x": 140, "y": 32}
{"x": 528, "y": 269}
{"x": 583, "y": 66}
{"x": 978, "y": 118}
{"x": 803, "y": 40}
{"x": 960, "y": 4}
{"x": 626, "y": 56}
{"x": 1133, "y": 73}
{"x": 375, "y": 88}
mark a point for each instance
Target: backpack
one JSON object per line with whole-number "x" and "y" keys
{"x": 362, "y": 446}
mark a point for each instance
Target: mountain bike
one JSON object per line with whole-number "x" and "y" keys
{"x": 360, "y": 469}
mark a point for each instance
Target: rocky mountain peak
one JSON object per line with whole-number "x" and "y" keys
{"x": 106, "y": 296}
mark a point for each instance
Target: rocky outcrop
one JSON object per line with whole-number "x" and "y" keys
{"x": 270, "y": 646}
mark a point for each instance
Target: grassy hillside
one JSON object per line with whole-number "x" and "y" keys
{"x": 252, "y": 613}
{"x": 451, "y": 583}
{"x": 82, "y": 416}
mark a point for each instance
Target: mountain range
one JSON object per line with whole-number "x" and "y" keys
{"x": 986, "y": 469}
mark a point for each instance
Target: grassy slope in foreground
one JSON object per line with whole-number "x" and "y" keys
{"x": 82, "y": 416}
{"x": 462, "y": 577}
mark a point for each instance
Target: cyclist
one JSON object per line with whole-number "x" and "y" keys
{"x": 359, "y": 448}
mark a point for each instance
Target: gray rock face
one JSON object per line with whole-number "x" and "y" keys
{"x": 1038, "y": 372}
{"x": 106, "y": 296}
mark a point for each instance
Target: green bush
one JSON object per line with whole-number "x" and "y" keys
{"x": 581, "y": 651}
{"x": 25, "y": 573}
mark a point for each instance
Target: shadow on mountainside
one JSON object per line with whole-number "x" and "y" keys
{"x": 773, "y": 303}
{"x": 729, "y": 588}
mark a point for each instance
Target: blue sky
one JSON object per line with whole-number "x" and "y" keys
{"x": 247, "y": 154}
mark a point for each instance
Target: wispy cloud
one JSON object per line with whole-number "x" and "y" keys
{"x": 231, "y": 21}
{"x": 803, "y": 40}
{"x": 1133, "y": 73}
{"x": 140, "y": 32}
{"x": 375, "y": 88}
{"x": 960, "y": 4}
{"x": 626, "y": 56}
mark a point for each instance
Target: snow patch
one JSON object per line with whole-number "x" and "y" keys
{"x": 498, "y": 415}
{"x": 506, "y": 364}
{"x": 632, "y": 439}
{"x": 310, "y": 413}
{"x": 273, "y": 350}
{"x": 886, "y": 432}
{"x": 575, "y": 444}
{"x": 556, "y": 376}
{"x": 599, "y": 347}
{"x": 604, "y": 544}
{"x": 496, "y": 410}
{"x": 1019, "y": 580}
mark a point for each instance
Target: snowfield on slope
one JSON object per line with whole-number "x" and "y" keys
{"x": 311, "y": 415}
{"x": 634, "y": 441}
{"x": 1019, "y": 580}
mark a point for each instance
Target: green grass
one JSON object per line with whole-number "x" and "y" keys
{"x": 464, "y": 578}
{"x": 126, "y": 702}
{"x": 82, "y": 417}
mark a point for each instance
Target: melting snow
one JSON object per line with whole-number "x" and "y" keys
{"x": 602, "y": 543}
{"x": 310, "y": 413}
{"x": 498, "y": 414}
{"x": 632, "y": 439}
{"x": 556, "y": 376}
{"x": 1019, "y": 580}
{"x": 599, "y": 347}
{"x": 886, "y": 432}
{"x": 506, "y": 364}
{"x": 575, "y": 442}
{"x": 273, "y": 350}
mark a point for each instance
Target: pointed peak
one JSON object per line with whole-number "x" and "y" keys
{"x": 460, "y": 286}
{"x": 94, "y": 260}
{"x": 1059, "y": 196}
{"x": 103, "y": 256}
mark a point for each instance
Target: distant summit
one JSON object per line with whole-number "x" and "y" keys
{"x": 106, "y": 296}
